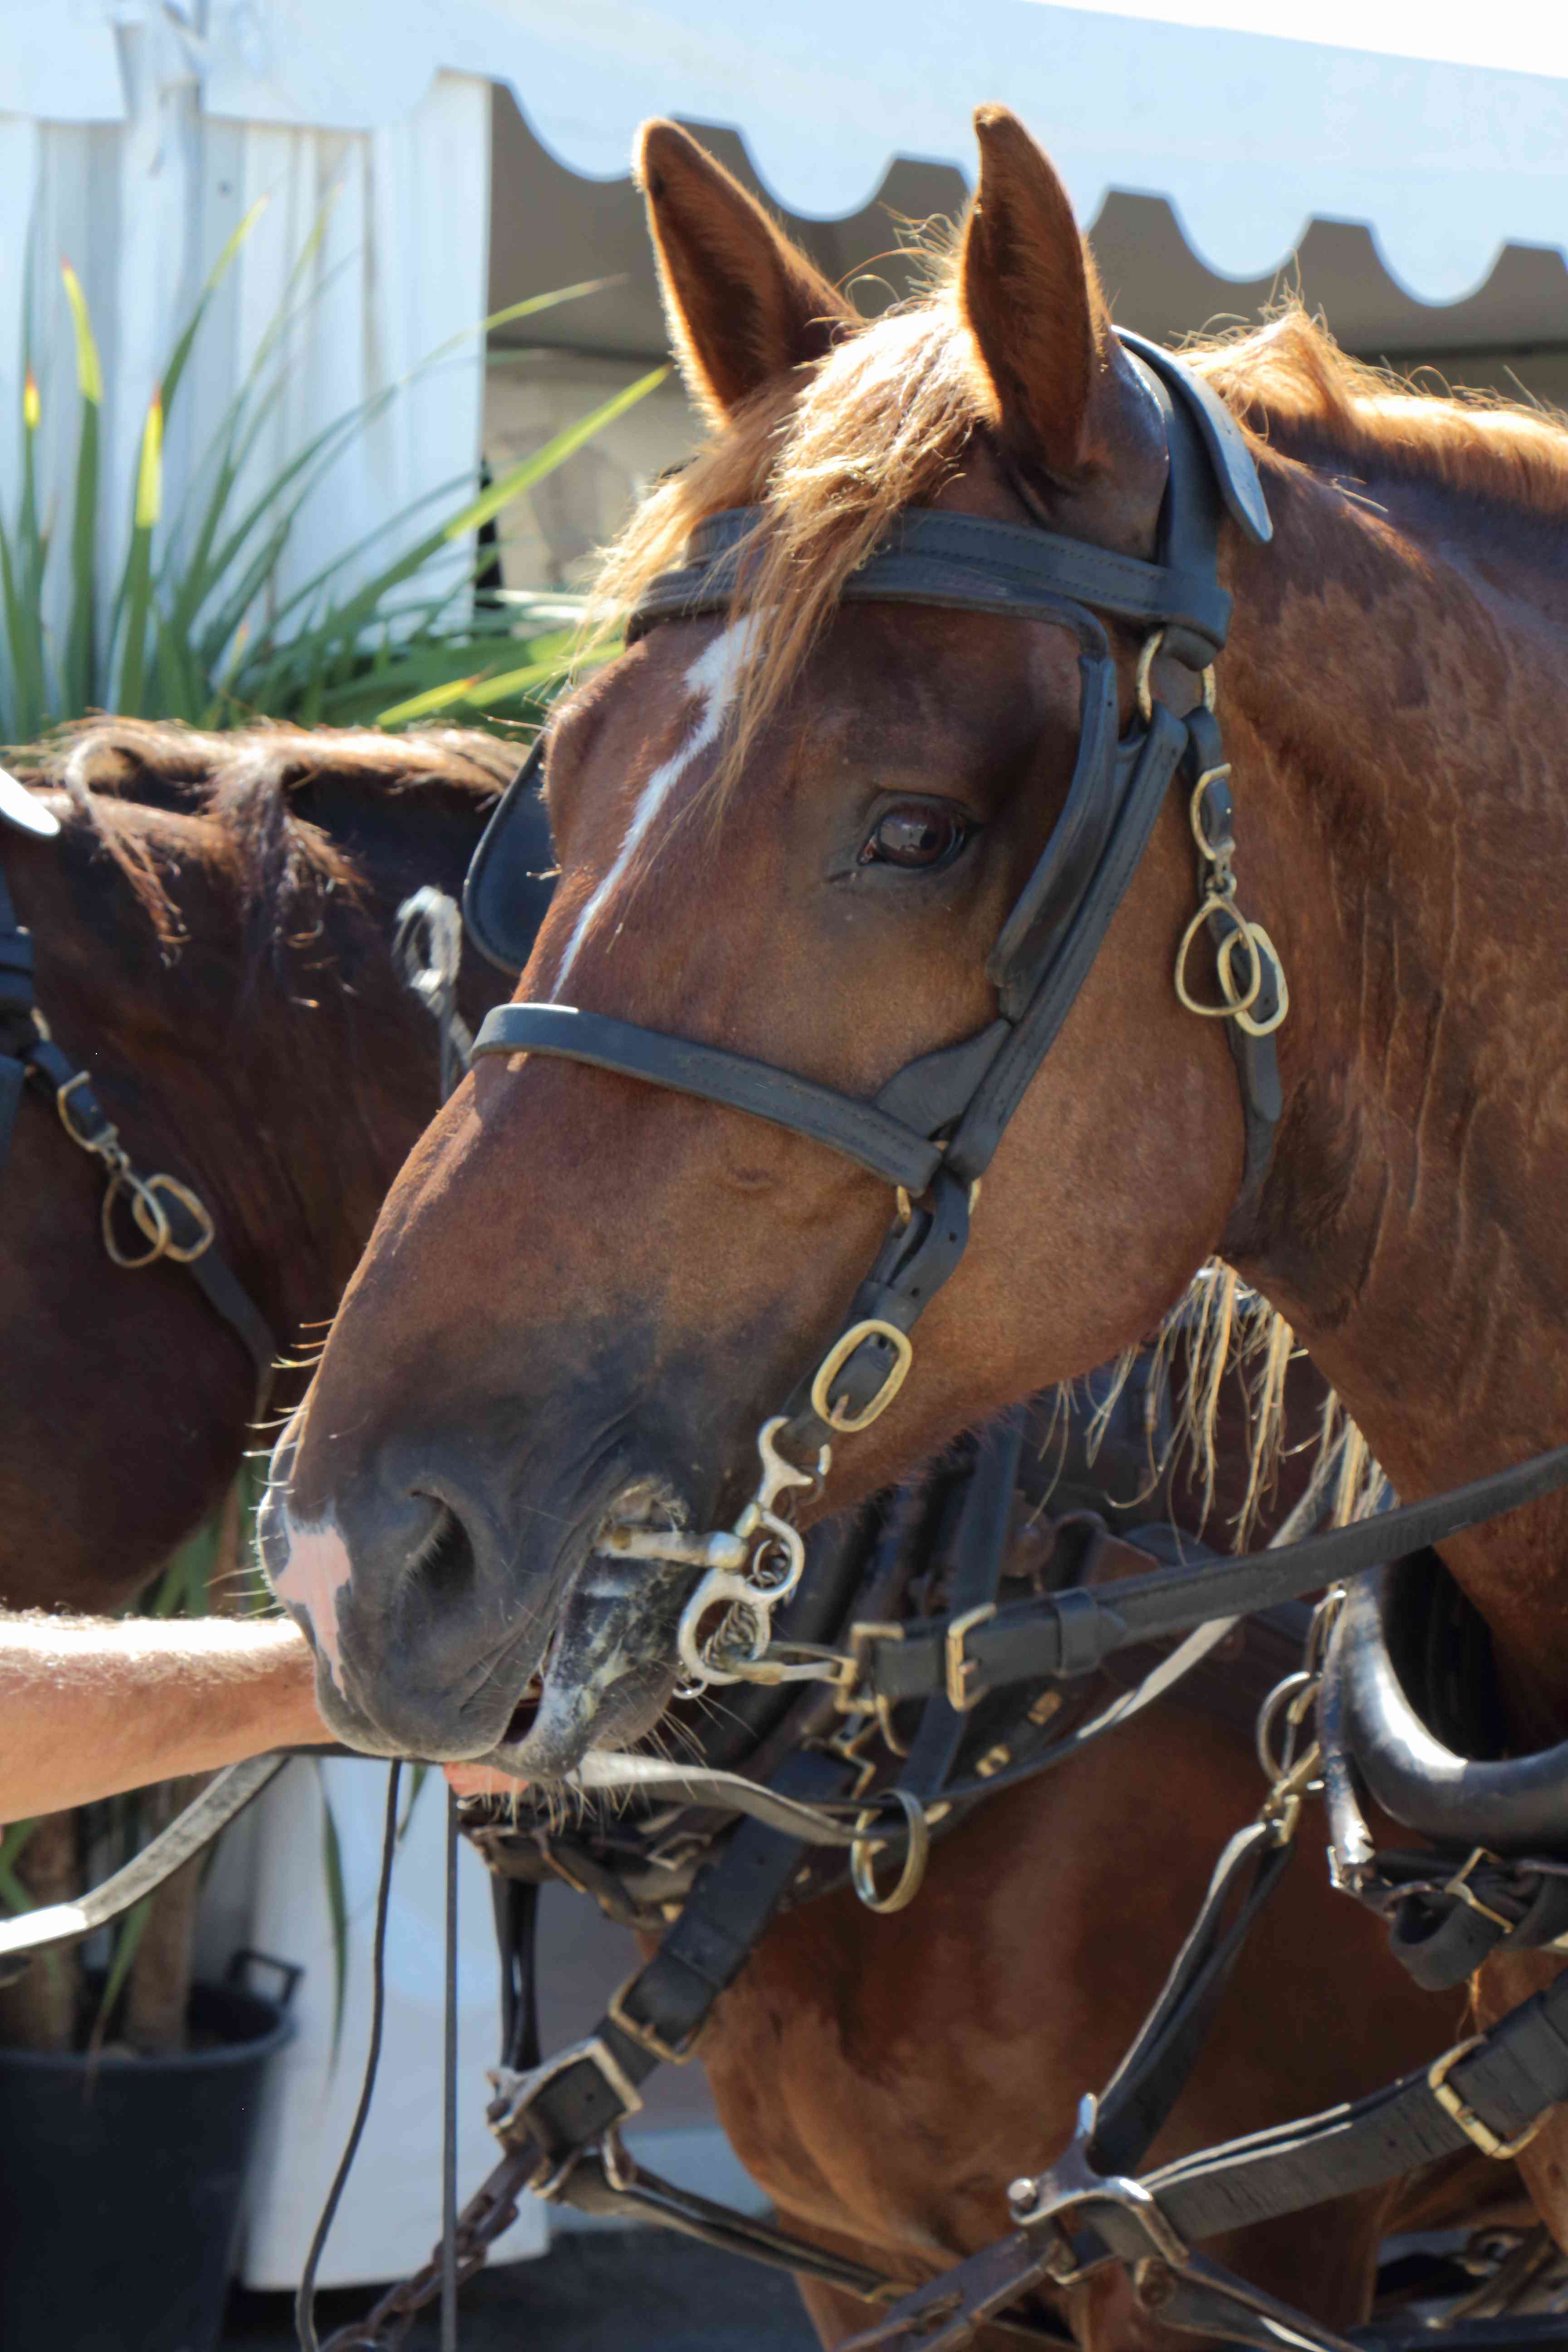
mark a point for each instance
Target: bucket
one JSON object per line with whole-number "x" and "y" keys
{"x": 121, "y": 2180}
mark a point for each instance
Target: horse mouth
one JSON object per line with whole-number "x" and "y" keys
{"x": 611, "y": 1665}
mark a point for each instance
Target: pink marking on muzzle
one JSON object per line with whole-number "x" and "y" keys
{"x": 317, "y": 1569}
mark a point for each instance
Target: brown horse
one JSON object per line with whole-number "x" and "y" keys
{"x": 214, "y": 932}
{"x": 797, "y": 832}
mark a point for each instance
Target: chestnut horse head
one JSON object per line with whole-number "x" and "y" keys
{"x": 795, "y": 829}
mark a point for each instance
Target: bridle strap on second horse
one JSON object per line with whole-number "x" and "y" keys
{"x": 934, "y": 1128}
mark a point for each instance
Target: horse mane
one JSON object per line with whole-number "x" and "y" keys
{"x": 244, "y": 784}
{"x": 884, "y": 419}
{"x": 1303, "y": 398}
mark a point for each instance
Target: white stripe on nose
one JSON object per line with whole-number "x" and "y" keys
{"x": 714, "y": 675}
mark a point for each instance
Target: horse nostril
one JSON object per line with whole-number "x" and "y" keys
{"x": 444, "y": 1560}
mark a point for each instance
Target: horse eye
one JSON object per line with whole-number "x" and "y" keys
{"x": 915, "y": 835}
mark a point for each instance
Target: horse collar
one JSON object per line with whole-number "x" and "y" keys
{"x": 934, "y": 1128}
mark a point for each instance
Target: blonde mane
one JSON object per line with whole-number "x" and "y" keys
{"x": 883, "y": 421}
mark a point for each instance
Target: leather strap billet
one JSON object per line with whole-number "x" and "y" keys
{"x": 1032, "y": 1639}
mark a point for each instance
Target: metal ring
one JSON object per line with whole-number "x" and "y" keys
{"x": 861, "y": 1868}
{"x": 1238, "y": 1000}
{"x": 1238, "y": 1004}
{"x": 1140, "y": 683}
{"x": 195, "y": 1209}
{"x": 1262, "y": 945}
{"x": 154, "y": 1222}
{"x": 838, "y": 1355}
{"x": 1211, "y": 850}
{"x": 1142, "y": 686}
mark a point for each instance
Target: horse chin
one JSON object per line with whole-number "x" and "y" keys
{"x": 610, "y": 1671}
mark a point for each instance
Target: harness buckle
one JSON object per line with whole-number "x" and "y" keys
{"x": 518, "y": 2096}
{"x": 960, "y": 1696}
{"x": 648, "y": 2037}
{"x": 1479, "y": 2132}
{"x": 103, "y": 1138}
{"x": 1072, "y": 2182}
{"x": 838, "y": 1416}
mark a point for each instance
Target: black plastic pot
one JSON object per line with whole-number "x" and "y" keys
{"x": 121, "y": 2180}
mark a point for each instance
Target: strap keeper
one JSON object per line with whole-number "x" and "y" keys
{"x": 1474, "y": 2127}
{"x": 648, "y": 2037}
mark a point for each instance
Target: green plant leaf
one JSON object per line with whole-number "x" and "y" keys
{"x": 11, "y": 1845}
{"x": 127, "y": 1940}
{"x": 337, "y": 1905}
{"x": 136, "y": 592}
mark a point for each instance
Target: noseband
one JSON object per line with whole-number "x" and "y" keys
{"x": 933, "y": 1129}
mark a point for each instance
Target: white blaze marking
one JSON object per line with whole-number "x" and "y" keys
{"x": 318, "y": 1569}
{"x": 714, "y": 675}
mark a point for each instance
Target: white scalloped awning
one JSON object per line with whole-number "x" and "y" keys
{"x": 1249, "y": 135}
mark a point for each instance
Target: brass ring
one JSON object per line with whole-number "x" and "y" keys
{"x": 1212, "y": 851}
{"x": 197, "y": 1209}
{"x": 155, "y": 1224}
{"x": 1239, "y": 999}
{"x": 1238, "y": 1004}
{"x": 862, "y": 1870}
{"x": 838, "y": 1355}
{"x": 1262, "y": 945}
{"x": 1141, "y": 679}
{"x": 1143, "y": 685}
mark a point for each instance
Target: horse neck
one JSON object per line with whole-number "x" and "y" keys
{"x": 289, "y": 1087}
{"x": 1402, "y": 787}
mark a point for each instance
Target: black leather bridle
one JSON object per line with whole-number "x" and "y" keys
{"x": 934, "y": 1128}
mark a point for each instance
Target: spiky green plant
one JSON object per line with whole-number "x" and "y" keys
{"x": 193, "y": 628}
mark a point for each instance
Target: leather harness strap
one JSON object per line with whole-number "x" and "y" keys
{"x": 170, "y": 1222}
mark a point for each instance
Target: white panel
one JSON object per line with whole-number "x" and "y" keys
{"x": 1250, "y": 136}
{"x": 57, "y": 59}
{"x": 390, "y": 2215}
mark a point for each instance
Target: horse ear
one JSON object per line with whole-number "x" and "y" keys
{"x": 1033, "y": 303}
{"x": 744, "y": 304}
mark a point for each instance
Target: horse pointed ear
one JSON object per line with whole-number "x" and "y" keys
{"x": 1032, "y": 304}
{"x": 744, "y": 304}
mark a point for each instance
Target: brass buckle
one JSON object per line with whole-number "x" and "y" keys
{"x": 104, "y": 1139}
{"x": 960, "y": 1697}
{"x": 838, "y": 1355}
{"x": 1479, "y": 2133}
{"x": 648, "y": 2037}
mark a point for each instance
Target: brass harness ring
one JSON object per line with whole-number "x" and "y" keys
{"x": 861, "y": 1865}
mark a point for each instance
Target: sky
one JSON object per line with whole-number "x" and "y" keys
{"x": 1526, "y": 37}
